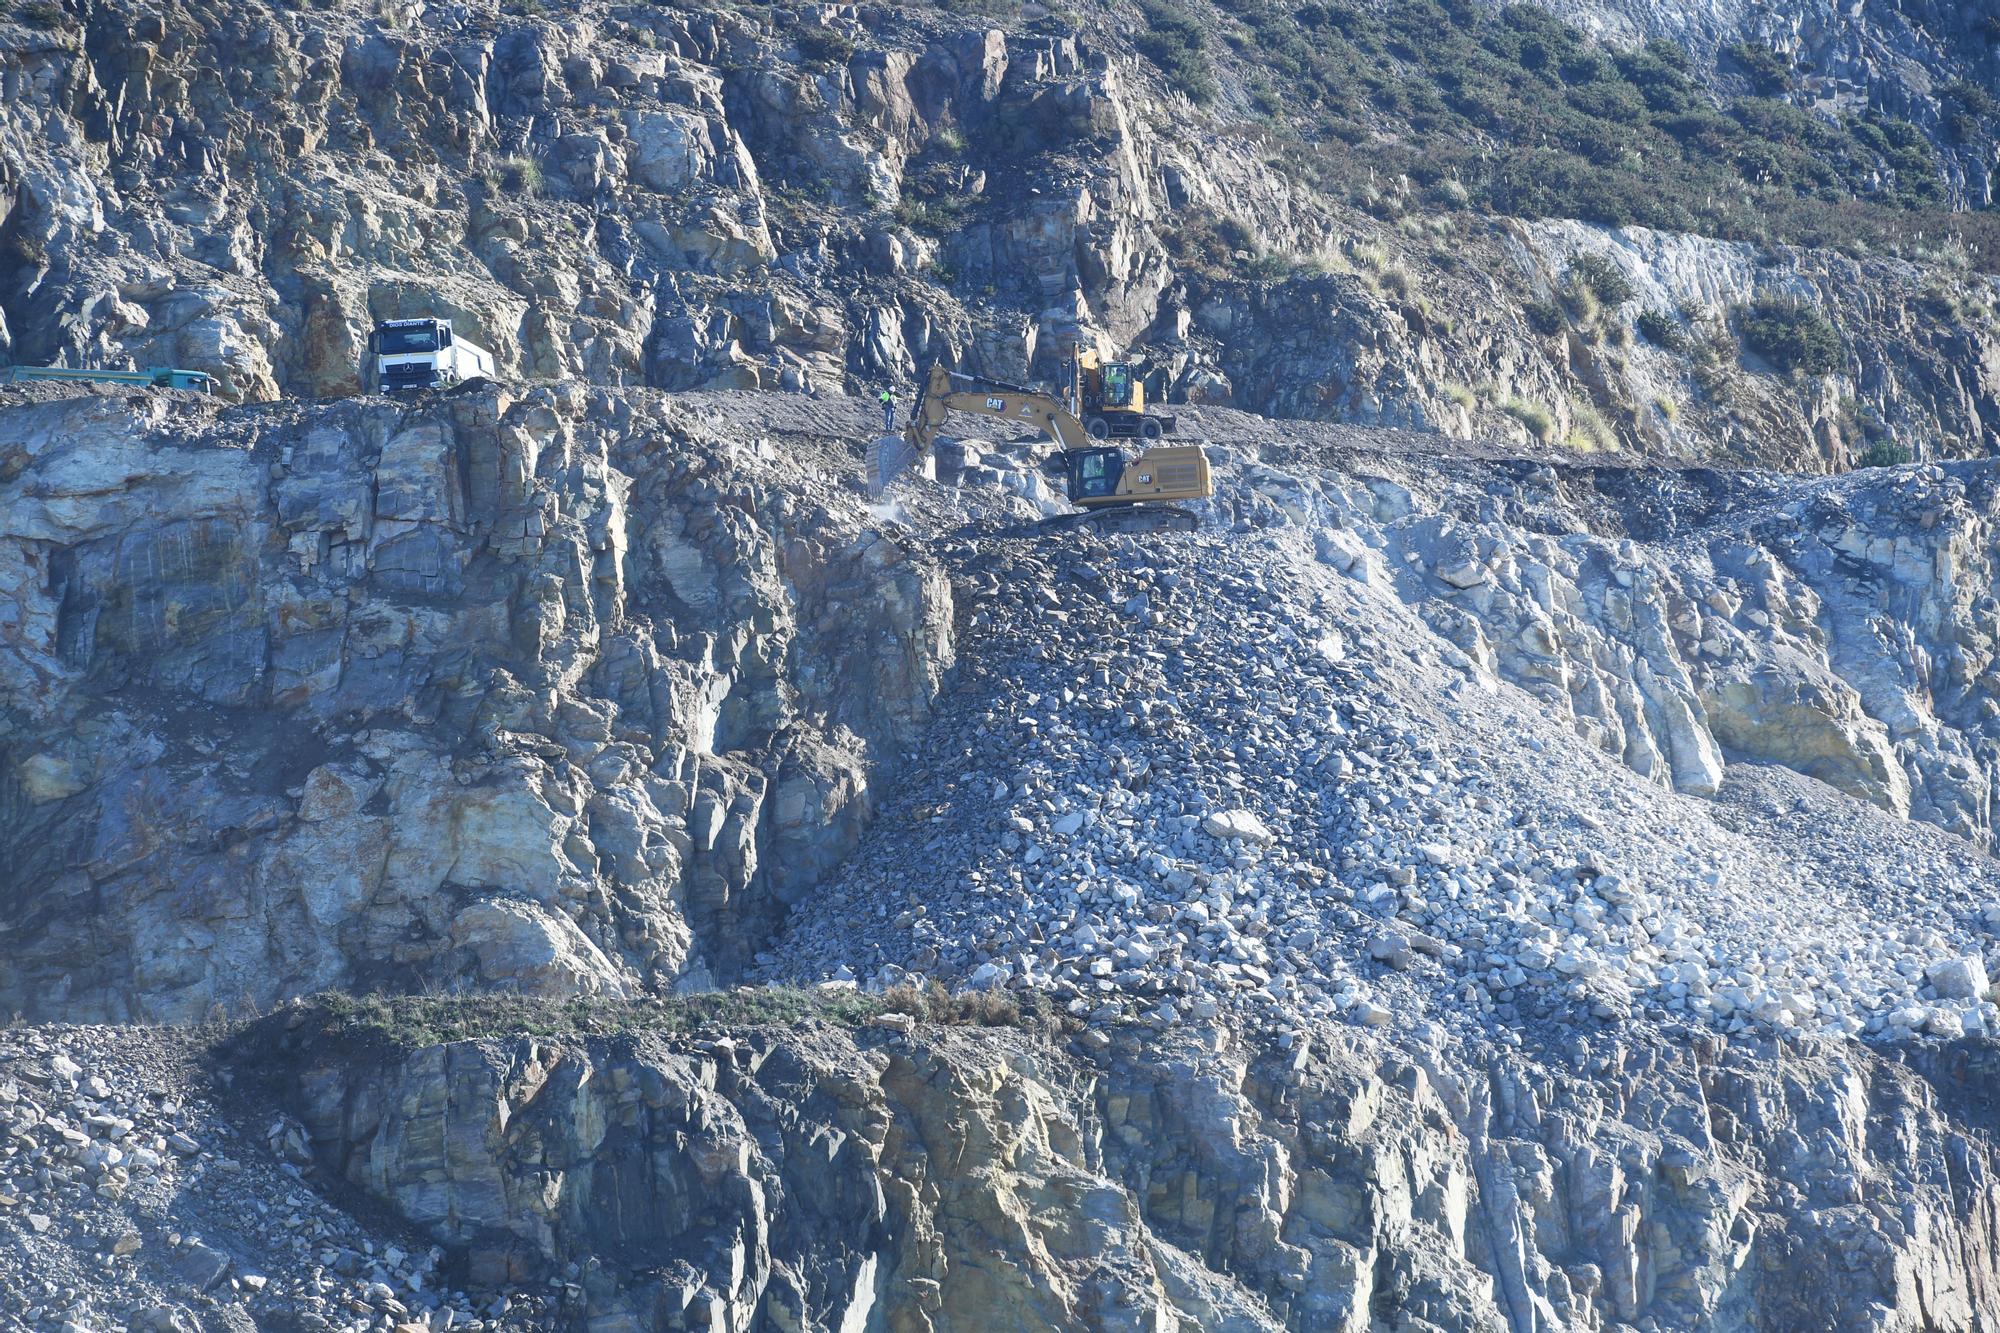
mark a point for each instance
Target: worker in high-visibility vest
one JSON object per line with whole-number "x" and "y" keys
{"x": 888, "y": 411}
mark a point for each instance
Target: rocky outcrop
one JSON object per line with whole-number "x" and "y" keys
{"x": 1842, "y": 631}
{"x": 962, "y": 1179}
{"x": 604, "y": 200}
{"x": 715, "y": 198}
{"x": 528, "y": 691}
{"x": 581, "y": 691}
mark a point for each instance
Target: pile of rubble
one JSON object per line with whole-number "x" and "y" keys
{"x": 1227, "y": 774}
{"x": 129, "y": 1200}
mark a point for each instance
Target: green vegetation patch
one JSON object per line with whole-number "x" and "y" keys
{"x": 822, "y": 45}
{"x": 1543, "y": 316}
{"x": 44, "y": 14}
{"x": 1173, "y": 39}
{"x": 938, "y": 214}
{"x": 1885, "y": 454}
{"x": 520, "y": 175}
{"x": 1767, "y": 71}
{"x": 1540, "y": 423}
{"x": 1602, "y": 279}
{"x": 1661, "y": 329}
{"x": 1791, "y": 335}
{"x": 934, "y": 197}
{"x": 1519, "y": 114}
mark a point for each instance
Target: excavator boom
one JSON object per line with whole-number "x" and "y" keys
{"x": 947, "y": 391}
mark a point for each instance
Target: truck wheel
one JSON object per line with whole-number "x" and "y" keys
{"x": 1150, "y": 428}
{"x": 1098, "y": 428}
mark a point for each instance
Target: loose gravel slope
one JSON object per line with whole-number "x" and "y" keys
{"x": 1216, "y": 774}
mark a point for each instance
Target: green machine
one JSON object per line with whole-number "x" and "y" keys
{"x": 158, "y": 377}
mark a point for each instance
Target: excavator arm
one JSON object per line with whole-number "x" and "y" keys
{"x": 947, "y": 391}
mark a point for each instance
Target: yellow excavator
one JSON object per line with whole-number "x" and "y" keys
{"x": 1113, "y": 493}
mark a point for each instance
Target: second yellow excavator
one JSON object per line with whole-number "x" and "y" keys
{"x": 1111, "y": 491}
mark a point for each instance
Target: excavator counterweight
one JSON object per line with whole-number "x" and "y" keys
{"x": 1113, "y": 491}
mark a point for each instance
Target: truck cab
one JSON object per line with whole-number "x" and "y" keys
{"x": 195, "y": 380}
{"x": 406, "y": 354}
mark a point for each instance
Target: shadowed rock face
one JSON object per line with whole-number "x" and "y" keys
{"x": 526, "y": 691}
{"x": 962, "y": 1180}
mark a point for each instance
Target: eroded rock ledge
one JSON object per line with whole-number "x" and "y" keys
{"x": 956, "y": 1178}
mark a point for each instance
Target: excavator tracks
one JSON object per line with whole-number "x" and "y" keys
{"x": 1122, "y": 520}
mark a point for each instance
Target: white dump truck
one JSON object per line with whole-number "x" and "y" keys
{"x": 421, "y": 354}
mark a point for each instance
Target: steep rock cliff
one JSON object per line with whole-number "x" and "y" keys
{"x": 690, "y": 198}
{"x": 532, "y": 690}
{"x": 944, "y": 1179}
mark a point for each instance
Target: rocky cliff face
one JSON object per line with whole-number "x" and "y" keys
{"x": 690, "y": 198}
{"x": 917, "y": 1176}
{"x": 605, "y": 693}
{"x": 529, "y": 690}
{"x": 581, "y": 691}
{"x": 1841, "y": 631}
{"x": 962, "y": 1179}
{"x": 1509, "y": 868}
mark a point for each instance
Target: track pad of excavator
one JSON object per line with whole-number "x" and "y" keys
{"x": 888, "y": 457}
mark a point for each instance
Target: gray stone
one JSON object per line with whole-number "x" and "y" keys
{"x": 203, "y": 1266}
{"x": 1959, "y": 978}
{"x": 1243, "y": 825}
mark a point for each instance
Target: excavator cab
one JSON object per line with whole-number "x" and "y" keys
{"x": 1094, "y": 473}
{"x": 1119, "y": 383}
{"x": 1109, "y": 397}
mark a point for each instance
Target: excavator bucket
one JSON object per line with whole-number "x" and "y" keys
{"x": 888, "y": 456}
